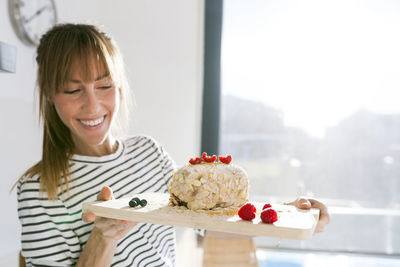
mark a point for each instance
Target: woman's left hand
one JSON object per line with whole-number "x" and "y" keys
{"x": 308, "y": 203}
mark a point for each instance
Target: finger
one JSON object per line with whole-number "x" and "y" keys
{"x": 105, "y": 193}
{"x": 127, "y": 228}
{"x": 324, "y": 217}
{"x": 114, "y": 228}
{"x": 322, "y": 222}
{"x": 88, "y": 217}
{"x": 103, "y": 223}
{"x": 303, "y": 203}
{"x": 100, "y": 195}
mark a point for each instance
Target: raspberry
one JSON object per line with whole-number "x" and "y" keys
{"x": 247, "y": 212}
{"x": 269, "y": 216}
{"x": 266, "y": 206}
{"x": 195, "y": 160}
{"x": 226, "y": 159}
{"x": 209, "y": 158}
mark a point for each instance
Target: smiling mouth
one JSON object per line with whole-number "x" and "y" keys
{"x": 92, "y": 123}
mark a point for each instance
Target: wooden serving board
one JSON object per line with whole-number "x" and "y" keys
{"x": 292, "y": 223}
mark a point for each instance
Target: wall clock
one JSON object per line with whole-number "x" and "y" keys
{"x": 32, "y": 18}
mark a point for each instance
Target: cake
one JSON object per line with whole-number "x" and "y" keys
{"x": 207, "y": 184}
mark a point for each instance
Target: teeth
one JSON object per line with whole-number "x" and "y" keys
{"x": 93, "y": 122}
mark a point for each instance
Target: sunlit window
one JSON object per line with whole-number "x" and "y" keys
{"x": 311, "y": 106}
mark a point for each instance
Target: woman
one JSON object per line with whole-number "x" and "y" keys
{"x": 82, "y": 89}
{"x": 83, "y": 95}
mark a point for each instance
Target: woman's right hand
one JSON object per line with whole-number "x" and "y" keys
{"x": 108, "y": 228}
{"x": 100, "y": 247}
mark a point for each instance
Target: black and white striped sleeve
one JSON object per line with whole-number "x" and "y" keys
{"x": 167, "y": 164}
{"x": 47, "y": 238}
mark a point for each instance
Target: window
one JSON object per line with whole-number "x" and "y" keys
{"x": 310, "y": 105}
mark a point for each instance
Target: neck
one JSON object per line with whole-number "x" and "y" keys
{"x": 108, "y": 146}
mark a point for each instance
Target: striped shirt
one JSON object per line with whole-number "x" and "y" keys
{"x": 53, "y": 233}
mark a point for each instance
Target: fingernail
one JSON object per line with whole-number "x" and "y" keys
{"x": 103, "y": 190}
{"x": 106, "y": 192}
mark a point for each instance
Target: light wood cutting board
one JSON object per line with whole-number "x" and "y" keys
{"x": 292, "y": 223}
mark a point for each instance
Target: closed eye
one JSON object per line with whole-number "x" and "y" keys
{"x": 70, "y": 92}
{"x": 105, "y": 87}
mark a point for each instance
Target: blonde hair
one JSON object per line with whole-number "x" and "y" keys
{"x": 59, "y": 48}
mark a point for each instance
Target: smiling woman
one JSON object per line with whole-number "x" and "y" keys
{"x": 82, "y": 92}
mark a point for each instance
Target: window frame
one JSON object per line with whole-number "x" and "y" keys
{"x": 212, "y": 77}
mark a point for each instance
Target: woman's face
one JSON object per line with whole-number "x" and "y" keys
{"x": 88, "y": 109}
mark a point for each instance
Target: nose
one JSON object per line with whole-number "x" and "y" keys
{"x": 91, "y": 102}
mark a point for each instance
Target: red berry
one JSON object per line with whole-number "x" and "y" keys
{"x": 209, "y": 158}
{"x": 195, "y": 160}
{"x": 247, "y": 212}
{"x": 266, "y": 206}
{"x": 269, "y": 216}
{"x": 226, "y": 159}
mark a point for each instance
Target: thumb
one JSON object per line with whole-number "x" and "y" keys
{"x": 105, "y": 194}
{"x": 303, "y": 203}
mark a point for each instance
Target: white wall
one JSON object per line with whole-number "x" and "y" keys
{"x": 19, "y": 134}
{"x": 162, "y": 45}
{"x": 163, "y": 50}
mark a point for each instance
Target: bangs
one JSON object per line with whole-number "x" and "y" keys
{"x": 90, "y": 57}
{"x": 83, "y": 49}
{"x": 89, "y": 64}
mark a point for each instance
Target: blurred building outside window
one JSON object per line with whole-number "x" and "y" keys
{"x": 311, "y": 106}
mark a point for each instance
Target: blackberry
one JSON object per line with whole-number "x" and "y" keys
{"x": 132, "y": 203}
{"x": 143, "y": 202}
{"x": 136, "y": 199}
{"x": 136, "y": 202}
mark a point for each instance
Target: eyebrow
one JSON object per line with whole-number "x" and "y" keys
{"x": 97, "y": 79}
